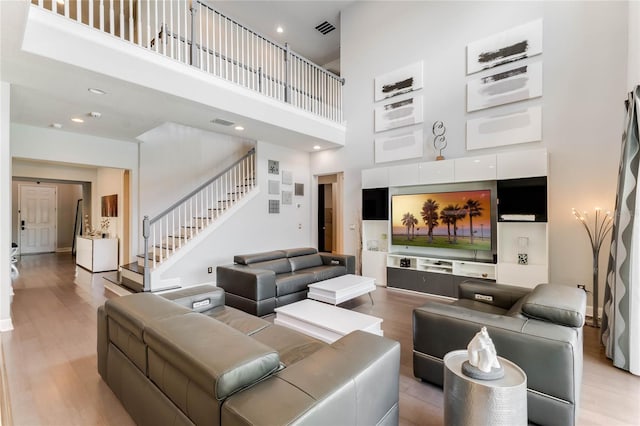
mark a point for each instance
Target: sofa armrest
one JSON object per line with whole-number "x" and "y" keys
{"x": 201, "y": 298}
{"x": 500, "y": 295}
{"x": 346, "y": 260}
{"x": 355, "y": 380}
{"x": 250, "y": 283}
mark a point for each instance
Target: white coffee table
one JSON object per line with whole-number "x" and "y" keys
{"x": 340, "y": 289}
{"x": 325, "y": 322}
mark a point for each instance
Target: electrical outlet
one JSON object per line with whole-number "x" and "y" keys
{"x": 210, "y": 269}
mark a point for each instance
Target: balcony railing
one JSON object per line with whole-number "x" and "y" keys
{"x": 192, "y": 32}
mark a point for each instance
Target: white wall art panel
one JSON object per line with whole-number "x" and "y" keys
{"x": 511, "y": 84}
{"x": 399, "y": 113}
{"x": 505, "y": 129}
{"x": 402, "y": 80}
{"x": 399, "y": 146}
{"x": 511, "y": 45}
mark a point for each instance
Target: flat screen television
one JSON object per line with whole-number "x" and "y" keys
{"x": 460, "y": 219}
{"x": 375, "y": 204}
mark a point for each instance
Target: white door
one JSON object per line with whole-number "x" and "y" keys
{"x": 37, "y": 219}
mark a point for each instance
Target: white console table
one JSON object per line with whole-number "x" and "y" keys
{"x": 97, "y": 254}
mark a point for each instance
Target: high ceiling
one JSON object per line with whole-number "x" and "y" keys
{"x": 298, "y": 20}
{"x": 45, "y": 92}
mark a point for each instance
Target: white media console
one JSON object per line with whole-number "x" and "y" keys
{"x": 440, "y": 275}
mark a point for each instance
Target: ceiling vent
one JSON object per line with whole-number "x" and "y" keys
{"x": 222, "y": 122}
{"x": 325, "y": 28}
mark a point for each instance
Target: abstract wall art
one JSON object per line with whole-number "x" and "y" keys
{"x": 287, "y": 177}
{"x": 274, "y": 187}
{"x": 399, "y": 145}
{"x": 402, "y": 80}
{"x": 398, "y": 113}
{"x": 287, "y": 197}
{"x": 511, "y": 45}
{"x": 274, "y": 206}
{"x": 505, "y": 129}
{"x": 514, "y": 83}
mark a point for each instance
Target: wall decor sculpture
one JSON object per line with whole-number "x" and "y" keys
{"x": 398, "y": 113}
{"x": 401, "y": 145}
{"x": 402, "y": 80}
{"x": 511, "y": 45}
{"x": 505, "y": 129}
{"x": 514, "y": 83}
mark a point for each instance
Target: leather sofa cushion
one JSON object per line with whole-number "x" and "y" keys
{"x": 304, "y": 262}
{"x": 479, "y": 306}
{"x": 246, "y": 324}
{"x": 247, "y": 259}
{"x": 279, "y": 266}
{"x": 556, "y": 303}
{"x": 503, "y": 296}
{"x": 293, "y": 282}
{"x": 291, "y": 345}
{"x": 294, "y": 252}
{"x": 220, "y": 359}
{"x": 326, "y": 272}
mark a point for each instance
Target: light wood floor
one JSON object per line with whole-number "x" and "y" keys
{"x": 53, "y": 380}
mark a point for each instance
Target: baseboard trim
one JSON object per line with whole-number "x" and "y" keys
{"x": 63, "y": 250}
{"x": 6, "y": 325}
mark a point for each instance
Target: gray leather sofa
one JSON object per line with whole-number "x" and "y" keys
{"x": 539, "y": 330}
{"x": 258, "y": 283}
{"x": 185, "y": 359}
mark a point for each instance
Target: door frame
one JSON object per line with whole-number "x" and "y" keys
{"x": 37, "y": 184}
{"x": 338, "y": 209}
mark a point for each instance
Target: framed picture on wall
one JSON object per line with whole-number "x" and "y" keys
{"x": 394, "y": 83}
{"x": 398, "y": 113}
{"x": 508, "y": 46}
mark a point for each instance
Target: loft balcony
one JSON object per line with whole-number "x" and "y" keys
{"x": 188, "y": 49}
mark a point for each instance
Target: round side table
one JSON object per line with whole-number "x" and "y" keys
{"x": 469, "y": 401}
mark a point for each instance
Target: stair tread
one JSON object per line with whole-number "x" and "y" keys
{"x": 134, "y": 267}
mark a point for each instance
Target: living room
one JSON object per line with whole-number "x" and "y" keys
{"x": 582, "y": 102}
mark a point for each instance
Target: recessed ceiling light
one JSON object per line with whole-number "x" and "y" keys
{"x": 56, "y": 125}
{"x": 239, "y": 128}
{"x": 95, "y": 114}
{"x": 317, "y": 147}
{"x": 280, "y": 29}
{"x": 77, "y": 120}
{"x": 97, "y": 91}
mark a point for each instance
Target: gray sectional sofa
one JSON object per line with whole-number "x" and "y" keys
{"x": 540, "y": 330}
{"x": 258, "y": 283}
{"x": 185, "y": 358}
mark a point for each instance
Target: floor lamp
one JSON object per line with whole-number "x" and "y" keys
{"x": 602, "y": 226}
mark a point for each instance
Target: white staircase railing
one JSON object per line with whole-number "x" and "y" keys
{"x": 184, "y": 220}
{"x": 194, "y": 33}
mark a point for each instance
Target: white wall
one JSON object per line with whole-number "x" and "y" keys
{"x": 585, "y": 66}
{"x": 252, "y": 229}
{"x": 5, "y": 207}
{"x": 110, "y": 181}
{"x": 633, "y": 73}
{"x": 176, "y": 159}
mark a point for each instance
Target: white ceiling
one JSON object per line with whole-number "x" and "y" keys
{"x": 298, "y": 19}
{"x": 45, "y": 91}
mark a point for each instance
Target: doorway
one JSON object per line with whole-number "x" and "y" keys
{"x": 330, "y": 213}
{"x": 38, "y": 218}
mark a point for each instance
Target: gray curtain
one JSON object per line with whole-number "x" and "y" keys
{"x": 620, "y": 331}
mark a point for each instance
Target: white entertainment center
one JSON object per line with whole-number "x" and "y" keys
{"x": 415, "y": 270}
